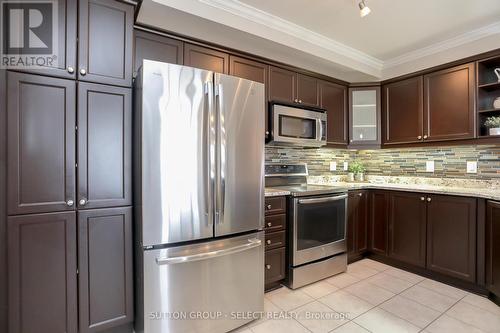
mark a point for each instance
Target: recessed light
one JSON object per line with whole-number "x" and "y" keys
{"x": 364, "y": 9}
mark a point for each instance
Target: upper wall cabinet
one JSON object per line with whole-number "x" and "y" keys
{"x": 41, "y": 143}
{"x": 403, "y": 111}
{"x": 156, "y": 47}
{"x": 364, "y": 117}
{"x": 105, "y": 30}
{"x": 104, "y": 146}
{"x": 449, "y": 104}
{"x": 291, "y": 87}
{"x": 205, "y": 58}
{"x": 65, "y": 64}
{"x": 333, "y": 98}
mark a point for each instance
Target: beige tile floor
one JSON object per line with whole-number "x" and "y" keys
{"x": 373, "y": 297}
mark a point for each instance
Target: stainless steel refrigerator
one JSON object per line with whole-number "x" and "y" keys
{"x": 199, "y": 192}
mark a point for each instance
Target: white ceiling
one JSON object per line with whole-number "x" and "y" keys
{"x": 329, "y": 37}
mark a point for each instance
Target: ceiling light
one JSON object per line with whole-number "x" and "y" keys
{"x": 364, "y": 9}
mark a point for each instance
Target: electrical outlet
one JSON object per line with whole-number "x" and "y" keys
{"x": 333, "y": 166}
{"x": 346, "y": 166}
{"x": 471, "y": 166}
{"x": 429, "y": 166}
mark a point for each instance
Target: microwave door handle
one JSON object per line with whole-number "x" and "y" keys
{"x": 318, "y": 129}
{"x": 250, "y": 244}
{"x": 322, "y": 200}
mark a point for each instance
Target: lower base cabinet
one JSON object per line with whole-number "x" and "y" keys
{"x": 275, "y": 265}
{"x": 42, "y": 273}
{"x": 357, "y": 224}
{"x": 379, "y": 221}
{"x": 105, "y": 261}
{"x": 493, "y": 247}
{"x": 275, "y": 247}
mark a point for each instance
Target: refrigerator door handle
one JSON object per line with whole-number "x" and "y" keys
{"x": 209, "y": 154}
{"x": 251, "y": 243}
{"x": 222, "y": 155}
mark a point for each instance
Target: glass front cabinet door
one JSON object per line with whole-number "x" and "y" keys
{"x": 364, "y": 116}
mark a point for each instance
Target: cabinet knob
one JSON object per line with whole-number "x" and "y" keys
{"x": 268, "y": 266}
{"x": 429, "y": 199}
{"x": 296, "y": 100}
{"x": 269, "y": 224}
{"x": 422, "y": 199}
{"x": 360, "y": 194}
{"x": 82, "y": 202}
{"x": 419, "y": 137}
{"x": 70, "y": 203}
{"x": 83, "y": 71}
{"x": 268, "y": 242}
{"x": 300, "y": 101}
{"x": 267, "y": 132}
{"x": 268, "y": 207}
{"x": 425, "y": 137}
{"x": 70, "y": 69}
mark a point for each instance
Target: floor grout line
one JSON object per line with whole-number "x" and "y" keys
{"x": 442, "y": 314}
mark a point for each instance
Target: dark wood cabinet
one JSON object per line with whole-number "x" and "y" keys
{"x": 42, "y": 273}
{"x": 451, "y": 236}
{"x": 104, "y": 146}
{"x": 379, "y": 221}
{"x": 365, "y": 117}
{"x": 493, "y": 247}
{"x": 407, "y": 228}
{"x": 333, "y": 98}
{"x": 357, "y": 224}
{"x": 248, "y": 69}
{"x": 205, "y": 58}
{"x": 307, "y": 90}
{"x": 65, "y": 65}
{"x": 105, "y": 34}
{"x": 274, "y": 265}
{"x": 449, "y": 104}
{"x": 155, "y": 47}
{"x": 403, "y": 111}
{"x": 282, "y": 85}
{"x": 105, "y": 265}
{"x": 41, "y": 143}
{"x": 275, "y": 244}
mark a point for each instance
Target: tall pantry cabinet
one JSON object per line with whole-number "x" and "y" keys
{"x": 69, "y": 193}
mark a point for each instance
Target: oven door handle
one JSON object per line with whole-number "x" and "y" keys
{"x": 323, "y": 199}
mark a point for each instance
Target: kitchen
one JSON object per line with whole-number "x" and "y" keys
{"x": 209, "y": 166}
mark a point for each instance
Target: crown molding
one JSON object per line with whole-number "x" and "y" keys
{"x": 465, "y": 38}
{"x": 274, "y": 22}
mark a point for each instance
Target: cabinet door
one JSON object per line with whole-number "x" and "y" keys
{"x": 307, "y": 90}
{"x": 41, "y": 143}
{"x": 449, "y": 104}
{"x": 364, "y": 117}
{"x": 282, "y": 85}
{"x": 156, "y": 47}
{"x": 205, "y": 58}
{"x": 379, "y": 221}
{"x": 403, "y": 111}
{"x": 105, "y": 264}
{"x": 352, "y": 205}
{"x": 42, "y": 273}
{"x": 251, "y": 70}
{"x": 65, "y": 64}
{"x": 105, "y": 29}
{"x": 333, "y": 98}
{"x": 451, "y": 236}
{"x": 362, "y": 222}
{"x": 493, "y": 247}
{"x": 407, "y": 228}
{"x": 275, "y": 265}
{"x": 104, "y": 146}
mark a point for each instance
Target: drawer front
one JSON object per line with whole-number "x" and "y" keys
{"x": 275, "y": 265}
{"x": 275, "y": 205}
{"x": 275, "y": 223}
{"x": 275, "y": 239}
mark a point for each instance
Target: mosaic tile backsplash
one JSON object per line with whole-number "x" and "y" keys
{"x": 449, "y": 161}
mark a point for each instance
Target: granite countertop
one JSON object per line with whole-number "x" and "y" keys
{"x": 272, "y": 192}
{"x": 459, "y": 187}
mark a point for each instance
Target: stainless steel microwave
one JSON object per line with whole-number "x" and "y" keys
{"x": 293, "y": 126}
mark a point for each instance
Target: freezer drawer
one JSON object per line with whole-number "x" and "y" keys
{"x": 204, "y": 287}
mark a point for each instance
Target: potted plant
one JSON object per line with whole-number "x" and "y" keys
{"x": 356, "y": 170}
{"x": 493, "y": 123}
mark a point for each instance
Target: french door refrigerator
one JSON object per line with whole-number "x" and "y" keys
{"x": 199, "y": 192}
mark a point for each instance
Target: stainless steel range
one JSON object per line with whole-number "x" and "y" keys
{"x": 316, "y": 224}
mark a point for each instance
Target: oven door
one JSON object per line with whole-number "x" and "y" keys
{"x": 298, "y": 127}
{"x": 319, "y": 227}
